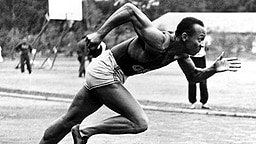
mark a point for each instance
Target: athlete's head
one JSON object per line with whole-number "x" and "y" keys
{"x": 191, "y": 32}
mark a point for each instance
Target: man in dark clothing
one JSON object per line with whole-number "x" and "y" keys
{"x": 82, "y": 51}
{"x": 24, "y": 48}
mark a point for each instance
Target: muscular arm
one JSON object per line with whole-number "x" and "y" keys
{"x": 195, "y": 75}
{"x": 142, "y": 25}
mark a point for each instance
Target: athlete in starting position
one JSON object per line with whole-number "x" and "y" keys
{"x": 149, "y": 50}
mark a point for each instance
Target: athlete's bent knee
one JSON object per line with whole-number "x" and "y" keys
{"x": 142, "y": 125}
{"x": 141, "y": 128}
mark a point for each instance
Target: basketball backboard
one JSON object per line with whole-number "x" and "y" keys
{"x": 65, "y": 9}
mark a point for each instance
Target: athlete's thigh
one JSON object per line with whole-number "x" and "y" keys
{"x": 83, "y": 104}
{"x": 119, "y": 99}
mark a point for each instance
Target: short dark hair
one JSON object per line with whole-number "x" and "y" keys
{"x": 186, "y": 25}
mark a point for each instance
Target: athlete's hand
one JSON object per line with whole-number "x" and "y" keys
{"x": 93, "y": 40}
{"x": 227, "y": 64}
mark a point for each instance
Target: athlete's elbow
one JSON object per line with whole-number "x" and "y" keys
{"x": 129, "y": 6}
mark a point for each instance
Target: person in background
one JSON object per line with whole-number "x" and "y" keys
{"x": 200, "y": 61}
{"x": 82, "y": 51}
{"x": 24, "y": 48}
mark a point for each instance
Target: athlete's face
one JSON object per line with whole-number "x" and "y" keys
{"x": 195, "y": 42}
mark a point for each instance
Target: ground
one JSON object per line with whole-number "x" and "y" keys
{"x": 24, "y": 120}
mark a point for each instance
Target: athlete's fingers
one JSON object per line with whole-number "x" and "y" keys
{"x": 233, "y": 70}
{"x": 221, "y": 56}
{"x": 234, "y": 66}
{"x": 238, "y": 62}
{"x": 233, "y": 62}
{"x": 90, "y": 44}
{"x": 232, "y": 59}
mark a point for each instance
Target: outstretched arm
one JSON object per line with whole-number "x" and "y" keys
{"x": 195, "y": 75}
{"x": 142, "y": 25}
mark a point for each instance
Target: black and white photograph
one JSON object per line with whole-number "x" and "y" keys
{"x": 127, "y": 71}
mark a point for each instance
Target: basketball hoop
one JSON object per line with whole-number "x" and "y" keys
{"x": 65, "y": 9}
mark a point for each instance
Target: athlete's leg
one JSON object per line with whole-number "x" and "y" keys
{"x": 83, "y": 105}
{"x": 132, "y": 118}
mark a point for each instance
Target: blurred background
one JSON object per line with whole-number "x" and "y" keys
{"x": 26, "y": 19}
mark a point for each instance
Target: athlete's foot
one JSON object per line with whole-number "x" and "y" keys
{"x": 78, "y": 139}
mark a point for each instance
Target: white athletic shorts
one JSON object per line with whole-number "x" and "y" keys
{"x": 103, "y": 71}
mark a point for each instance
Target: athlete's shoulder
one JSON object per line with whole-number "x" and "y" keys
{"x": 168, "y": 39}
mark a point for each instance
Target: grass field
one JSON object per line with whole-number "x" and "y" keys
{"x": 168, "y": 84}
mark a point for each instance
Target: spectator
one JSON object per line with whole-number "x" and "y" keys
{"x": 24, "y": 48}
{"x": 200, "y": 61}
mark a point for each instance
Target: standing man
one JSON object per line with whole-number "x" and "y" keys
{"x": 24, "y": 48}
{"x": 82, "y": 51}
{"x": 200, "y": 61}
{"x": 149, "y": 50}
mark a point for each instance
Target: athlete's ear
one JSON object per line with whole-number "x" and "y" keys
{"x": 184, "y": 36}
